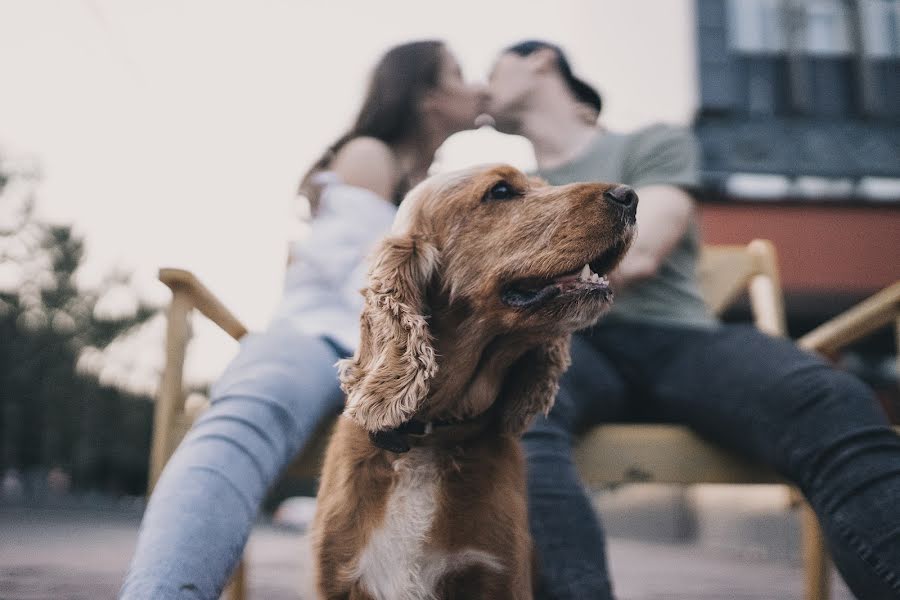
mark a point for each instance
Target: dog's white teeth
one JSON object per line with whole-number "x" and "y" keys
{"x": 585, "y": 273}
{"x": 588, "y": 276}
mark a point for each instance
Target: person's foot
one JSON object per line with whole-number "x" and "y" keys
{"x": 295, "y": 513}
{"x": 12, "y": 486}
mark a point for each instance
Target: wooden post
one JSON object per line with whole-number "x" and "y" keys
{"x": 815, "y": 556}
{"x": 768, "y": 311}
{"x": 171, "y": 394}
{"x": 765, "y": 289}
{"x": 897, "y": 333}
{"x": 237, "y": 586}
{"x": 187, "y": 294}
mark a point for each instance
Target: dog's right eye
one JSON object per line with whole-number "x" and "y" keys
{"x": 501, "y": 191}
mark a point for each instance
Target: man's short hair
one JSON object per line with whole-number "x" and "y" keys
{"x": 582, "y": 91}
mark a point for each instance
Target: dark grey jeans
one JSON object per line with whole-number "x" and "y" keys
{"x": 763, "y": 397}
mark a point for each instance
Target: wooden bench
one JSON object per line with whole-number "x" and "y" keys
{"x": 607, "y": 454}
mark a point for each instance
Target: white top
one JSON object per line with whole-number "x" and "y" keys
{"x": 328, "y": 265}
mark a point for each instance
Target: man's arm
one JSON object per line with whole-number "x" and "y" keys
{"x": 663, "y": 215}
{"x": 661, "y": 163}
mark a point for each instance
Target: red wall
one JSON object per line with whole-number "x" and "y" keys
{"x": 821, "y": 248}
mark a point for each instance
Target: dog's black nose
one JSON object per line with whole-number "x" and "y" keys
{"x": 623, "y": 196}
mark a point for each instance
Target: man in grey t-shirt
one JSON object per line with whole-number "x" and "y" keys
{"x": 659, "y": 355}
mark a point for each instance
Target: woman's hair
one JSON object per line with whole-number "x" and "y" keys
{"x": 389, "y": 111}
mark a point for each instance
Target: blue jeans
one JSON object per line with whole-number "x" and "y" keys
{"x": 762, "y": 397}
{"x": 265, "y": 407}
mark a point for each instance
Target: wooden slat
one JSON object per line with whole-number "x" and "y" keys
{"x": 660, "y": 454}
{"x": 170, "y": 399}
{"x": 855, "y": 323}
{"x": 203, "y": 300}
{"x": 723, "y": 273}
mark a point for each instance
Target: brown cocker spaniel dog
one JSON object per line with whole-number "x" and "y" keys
{"x": 469, "y": 308}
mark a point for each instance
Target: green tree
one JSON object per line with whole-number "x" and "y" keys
{"x": 51, "y": 415}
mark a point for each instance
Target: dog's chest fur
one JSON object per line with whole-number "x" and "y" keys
{"x": 398, "y": 563}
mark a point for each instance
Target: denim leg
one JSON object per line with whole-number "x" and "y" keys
{"x": 268, "y": 402}
{"x": 851, "y": 475}
{"x": 568, "y": 536}
{"x": 819, "y": 427}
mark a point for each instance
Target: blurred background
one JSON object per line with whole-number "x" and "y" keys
{"x": 135, "y": 135}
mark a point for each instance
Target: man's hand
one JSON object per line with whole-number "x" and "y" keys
{"x": 663, "y": 214}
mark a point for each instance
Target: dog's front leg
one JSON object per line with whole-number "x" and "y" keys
{"x": 358, "y": 593}
{"x": 478, "y": 582}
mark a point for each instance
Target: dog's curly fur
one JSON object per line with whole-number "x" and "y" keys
{"x": 396, "y": 338}
{"x": 470, "y": 305}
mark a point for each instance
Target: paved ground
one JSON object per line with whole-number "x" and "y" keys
{"x": 79, "y": 554}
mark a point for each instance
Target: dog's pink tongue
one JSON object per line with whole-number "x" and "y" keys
{"x": 569, "y": 277}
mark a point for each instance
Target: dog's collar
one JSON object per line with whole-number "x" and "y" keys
{"x": 396, "y": 440}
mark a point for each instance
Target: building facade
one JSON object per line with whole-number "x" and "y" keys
{"x": 799, "y": 128}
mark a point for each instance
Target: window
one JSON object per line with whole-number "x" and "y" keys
{"x": 879, "y": 24}
{"x": 826, "y": 30}
{"x": 756, "y": 26}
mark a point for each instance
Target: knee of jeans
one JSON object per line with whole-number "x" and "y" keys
{"x": 546, "y": 441}
{"x": 273, "y": 381}
{"x": 835, "y": 421}
{"x": 247, "y": 429}
{"x": 845, "y": 385}
{"x": 832, "y": 398}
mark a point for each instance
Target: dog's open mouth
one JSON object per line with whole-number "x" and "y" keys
{"x": 588, "y": 279}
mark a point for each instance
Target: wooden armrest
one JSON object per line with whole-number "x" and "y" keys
{"x": 766, "y": 297}
{"x": 184, "y": 282}
{"x": 727, "y": 271}
{"x": 855, "y": 323}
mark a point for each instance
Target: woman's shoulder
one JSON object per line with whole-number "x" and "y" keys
{"x": 369, "y": 163}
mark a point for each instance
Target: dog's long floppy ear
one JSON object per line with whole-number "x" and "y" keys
{"x": 388, "y": 377}
{"x": 531, "y": 384}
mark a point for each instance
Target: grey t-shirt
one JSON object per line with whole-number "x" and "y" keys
{"x": 659, "y": 154}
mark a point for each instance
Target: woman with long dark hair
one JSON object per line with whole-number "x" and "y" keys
{"x": 283, "y": 383}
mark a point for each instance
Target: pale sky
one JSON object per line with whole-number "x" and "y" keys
{"x": 173, "y": 133}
